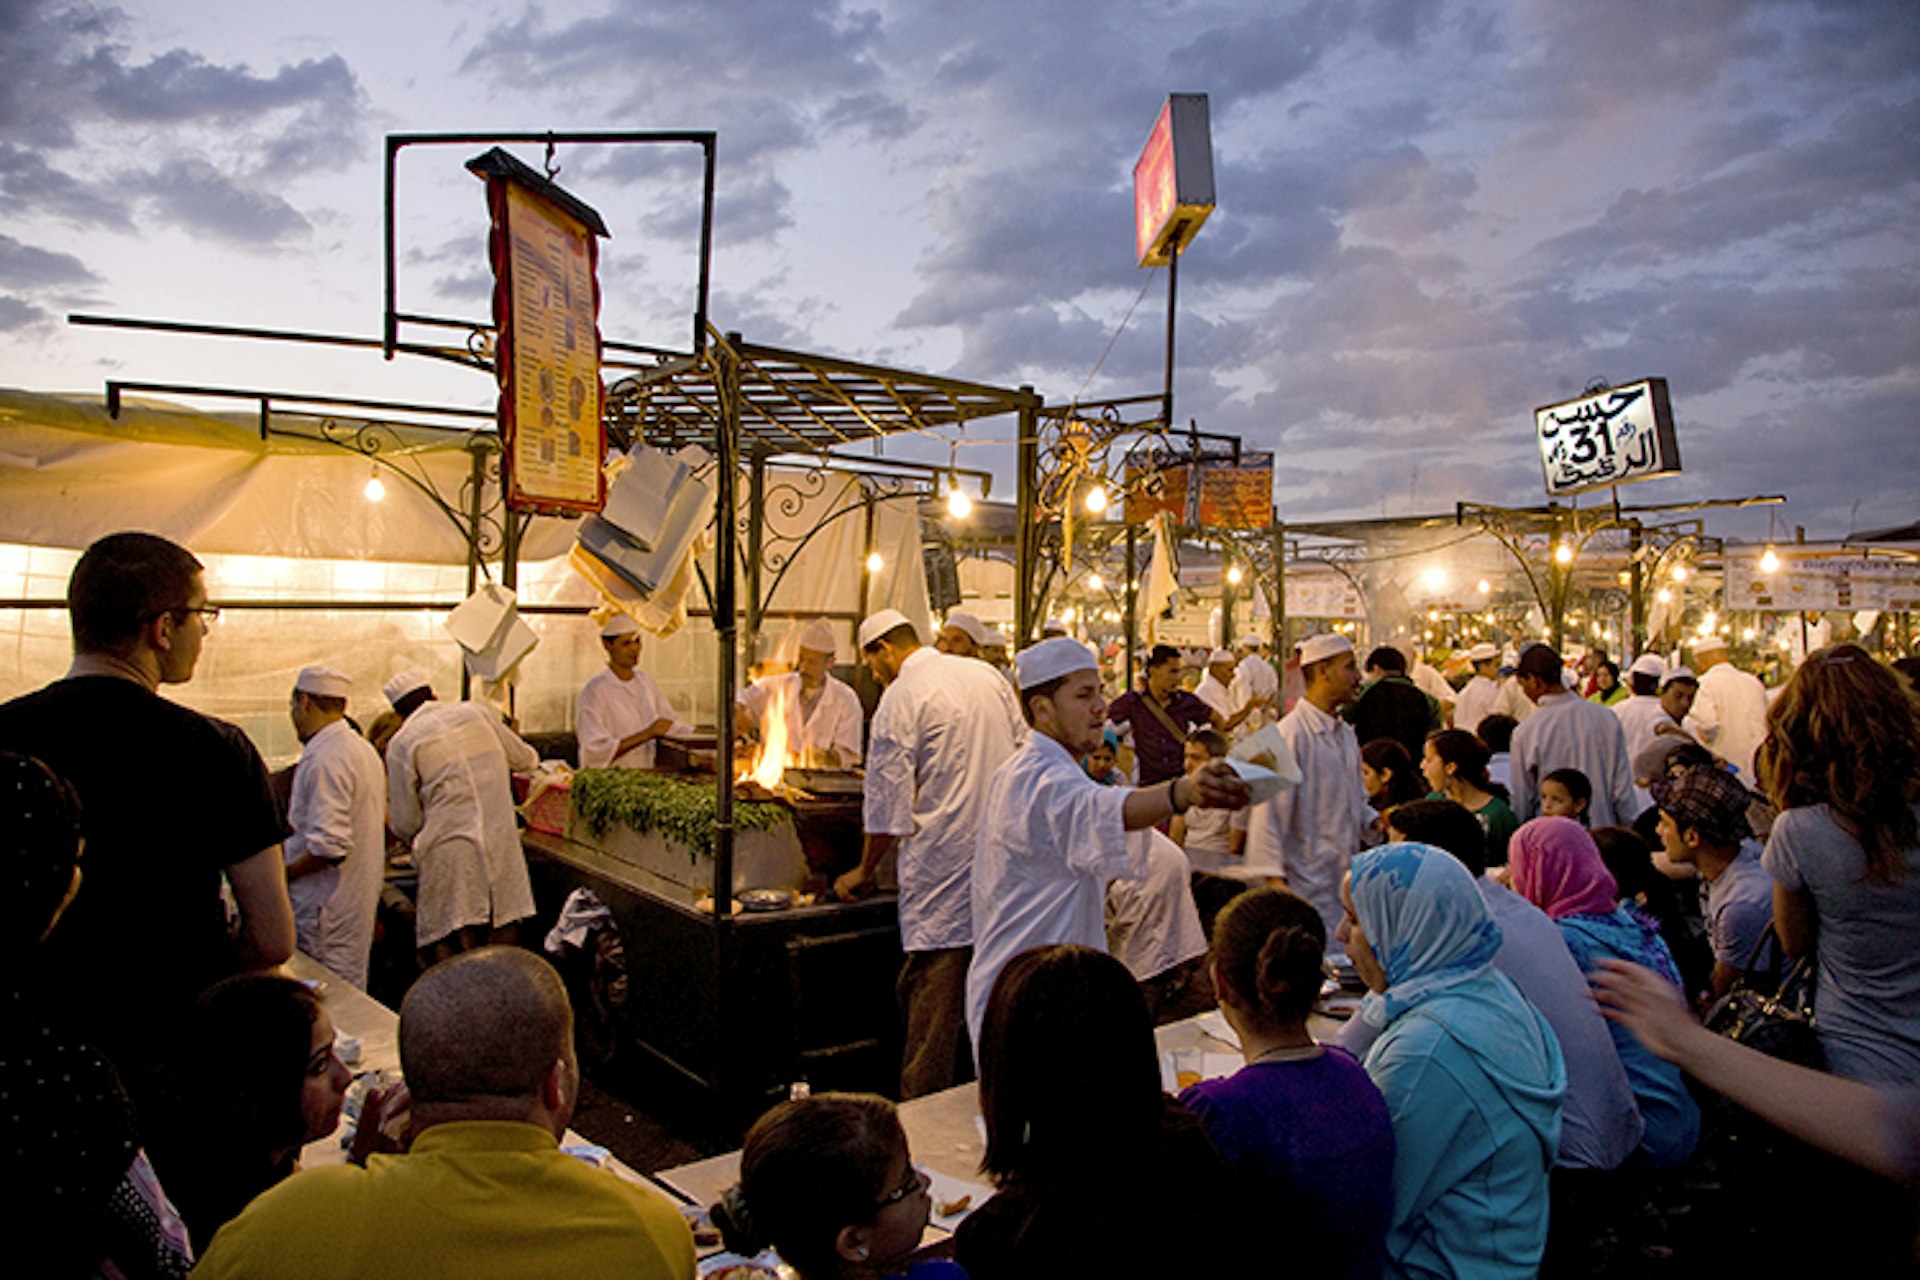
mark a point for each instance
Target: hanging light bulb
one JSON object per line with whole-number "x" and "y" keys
{"x": 1097, "y": 499}
{"x": 1679, "y": 573}
{"x": 874, "y": 562}
{"x": 1095, "y": 582}
{"x": 959, "y": 505}
{"x": 1483, "y": 587}
{"x": 1663, "y": 596}
{"x": 1234, "y": 576}
{"x": 1769, "y": 562}
{"x": 376, "y": 488}
{"x": 1563, "y": 553}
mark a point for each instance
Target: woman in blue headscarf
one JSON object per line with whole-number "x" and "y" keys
{"x": 1471, "y": 1072}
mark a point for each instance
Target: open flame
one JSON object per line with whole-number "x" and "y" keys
{"x": 771, "y": 768}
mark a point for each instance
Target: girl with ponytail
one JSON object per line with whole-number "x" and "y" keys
{"x": 1301, "y": 1122}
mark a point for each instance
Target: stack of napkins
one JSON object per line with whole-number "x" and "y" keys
{"x": 655, "y": 509}
{"x": 491, "y": 632}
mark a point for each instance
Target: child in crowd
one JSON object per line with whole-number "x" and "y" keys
{"x": 1389, "y": 775}
{"x": 1566, "y": 793}
{"x": 1213, "y": 838}
{"x": 1100, "y": 764}
{"x": 1497, "y": 732}
{"x": 827, "y": 1181}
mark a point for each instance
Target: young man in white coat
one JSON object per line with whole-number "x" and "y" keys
{"x": 337, "y": 854}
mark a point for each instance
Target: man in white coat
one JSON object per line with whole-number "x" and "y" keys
{"x": 1255, "y": 689}
{"x": 1306, "y": 835}
{"x": 337, "y": 854}
{"x": 1729, "y": 714}
{"x": 1481, "y": 694}
{"x": 942, "y": 726}
{"x": 1640, "y": 713}
{"x": 621, "y": 712}
{"x": 822, "y": 715}
{"x": 1568, "y": 732}
{"x": 1051, "y": 837}
{"x": 450, "y": 791}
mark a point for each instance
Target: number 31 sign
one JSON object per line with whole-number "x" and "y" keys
{"x": 1607, "y": 437}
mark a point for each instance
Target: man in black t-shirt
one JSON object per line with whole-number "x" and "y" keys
{"x": 170, "y": 799}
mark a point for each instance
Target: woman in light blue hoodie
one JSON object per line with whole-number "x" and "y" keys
{"x": 1471, "y": 1072}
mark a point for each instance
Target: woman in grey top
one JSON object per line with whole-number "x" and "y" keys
{"x": 1842, "y": 763}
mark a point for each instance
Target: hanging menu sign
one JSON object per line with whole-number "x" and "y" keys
{"x": 1607, "y": 437}
{"x": 544, "y": 250}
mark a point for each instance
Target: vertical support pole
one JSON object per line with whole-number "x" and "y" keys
{"x": 726, "y": 559}
{"x": 756, "y": 540}
{"x": 1173, "y": 298}
{"x": 1279, "y": 650}
{"x": 1026, "y": 551}
{"x": 478, "y": 447}
{"x": 1132, "y": 585}
{"x": 510, "y": 528}
{"x": 1636, "y": 589}
{"x": 1227, "y": 596}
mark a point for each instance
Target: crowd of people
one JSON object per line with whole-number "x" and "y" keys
{"x": 1473, "y": 864}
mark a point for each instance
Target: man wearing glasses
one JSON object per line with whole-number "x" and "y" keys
{"x": 172, "y": 801}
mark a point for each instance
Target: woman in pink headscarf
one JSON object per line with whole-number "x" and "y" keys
{"x": 1557, "y": 867}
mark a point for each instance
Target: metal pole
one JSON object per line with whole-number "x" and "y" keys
{"x": 1173, "y": 296}
{"x": 756, "y": 537}
{"x": 1025, "y": 539}
{"x": 1227, "y": 594}
{"x": 1636, "y": 588}
{"x": 1132, "y": 585}
{"x": 1279, "y": 650}
{"x": 478, "y": 446}
{"x": 726, "y": 438}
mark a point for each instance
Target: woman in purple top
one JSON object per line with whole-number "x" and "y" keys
{"x": 1302, "y": 1123}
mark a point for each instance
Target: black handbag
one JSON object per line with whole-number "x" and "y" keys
{"x": 1780, "y": 1022}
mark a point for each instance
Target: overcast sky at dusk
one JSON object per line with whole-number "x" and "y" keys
{"x": 1432, "y": 217}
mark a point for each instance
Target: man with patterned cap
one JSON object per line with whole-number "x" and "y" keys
{"x": 450, "y": 791}
{"x": 822, "y": 715}
{"x": 1052, "y": 837}
{"x": 1703, "y": 823}
{"x": 1480, "y": 694}
{"x": 621, "y": 712}
{"x": 942, "y": 726}
{"x": 961, "y": 635}
{"x": 337, "y": 854}
{"x": 1306, "y": 835}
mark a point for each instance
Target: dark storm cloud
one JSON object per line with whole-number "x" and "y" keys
{"x": 195, "y": 195}
{"x": 23, "y": 266}
{"x": 180, "y": 85}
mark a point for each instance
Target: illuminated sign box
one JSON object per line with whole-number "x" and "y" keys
{"x": 1607, "y": 437}
{"x": 1173, "y": 180}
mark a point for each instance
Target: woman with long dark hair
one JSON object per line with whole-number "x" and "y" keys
{"x": 1842, "y": 764}
{"x": 1098, "y": 1172}
{"x": 1455, "y": 764}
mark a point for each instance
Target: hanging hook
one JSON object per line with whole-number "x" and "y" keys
{"x": 553, "y": 170}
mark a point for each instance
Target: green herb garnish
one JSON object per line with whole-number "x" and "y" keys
{"x": 678, "y": 810}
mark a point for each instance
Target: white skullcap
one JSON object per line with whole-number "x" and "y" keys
{"x": 974, "y": 629}
{"x": 620, "y": 624}
{"x": 403, "y": 684}
{"x": 1677, "y": 673}
{"x": 1710, "y": 644}
{"x": 1219, "y": 656}
{"x": 1328, "y": 644}
{"x": 322, "y": 682}
{"x": 1051, "y": 659}
{"x": 1483, "y": 652}
{"x": 1248, "y": 640}
{"x": 1051, "y": 627}
{"x": 817, "y": 637}
{"x": 879, "y": 624}
{"x": 1648, "y": 664}
{"x": 997, "y": 640}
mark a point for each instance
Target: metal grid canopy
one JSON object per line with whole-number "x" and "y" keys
{"x": 795, "y": 402}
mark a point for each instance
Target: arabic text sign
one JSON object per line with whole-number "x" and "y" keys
{"x": 1173, "y": 180}
{"x": 1152, "y": 490}
{"x": 1608, "y": 437}
{"x": 1824, "y": 583}
{"x": 549, "y": 356}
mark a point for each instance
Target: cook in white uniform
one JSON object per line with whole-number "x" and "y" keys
{"x": 1730, "y": 711}
{"x": 822, "y": 714}
{"x": 449, "y": 790}
{"x": 1640, "y": 713}
{"x": 1479, "y": 697}
{"x": 1052, "y": 837}
{"x": 621, "y": 711}
{"x": 962, "y": 635}
{"x": 942, "y": 725}
{"x": 1306, "y": 835}
{"x": 1255, "y": 689}
{"x": 337, "y": 854}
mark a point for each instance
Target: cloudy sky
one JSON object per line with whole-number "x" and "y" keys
{"x": 1432, "y": 218}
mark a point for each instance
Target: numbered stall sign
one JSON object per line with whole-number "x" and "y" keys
{"x": 1607, "y": 437}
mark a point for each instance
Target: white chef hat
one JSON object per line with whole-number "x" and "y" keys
{"x": 1714, "y": 643}
{"x": 1249, "y": 640}
{"x": 817, "y": 637}
{"x": 997, "y": 640}
{"x": 403, "y": 684}
{"x": 322, "y": 682}
{"x": 1483, "y": 652}
{"x": 1051, "y": 659}
{"x": 974, "y": 629}
{"x": 1677, "y": 673}
{"x": 879, "y": 624}
{"x": 1219, "y": 655}
{"x": 620, "y": 624}
{"x": 1318, "y": 648}
{"x": 1648, "y": 664}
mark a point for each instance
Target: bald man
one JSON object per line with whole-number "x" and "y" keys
{"x": 486, "y": 1043}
